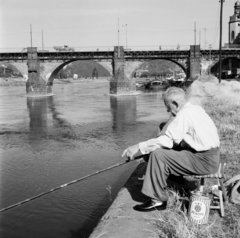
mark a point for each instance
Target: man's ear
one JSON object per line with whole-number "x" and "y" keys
{"x": 175, "y": 104}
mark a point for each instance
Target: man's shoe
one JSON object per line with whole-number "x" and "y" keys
{"x": 150, "y": 205}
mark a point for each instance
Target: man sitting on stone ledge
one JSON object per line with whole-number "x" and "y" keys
{"x": 188, "y": 145}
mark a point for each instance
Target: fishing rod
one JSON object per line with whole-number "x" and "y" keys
{"x": 67, "y": 184}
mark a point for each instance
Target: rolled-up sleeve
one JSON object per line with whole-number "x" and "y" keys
{"x": 153, "y": 144}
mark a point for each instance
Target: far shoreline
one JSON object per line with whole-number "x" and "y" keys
{"x": 12, "y": 82}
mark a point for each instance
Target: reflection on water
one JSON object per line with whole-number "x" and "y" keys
{"x": 123, "y": 112}
{"x": 47, "y": 142}
{"x": 40, "y": 116}
{"x": 42, "y": 112}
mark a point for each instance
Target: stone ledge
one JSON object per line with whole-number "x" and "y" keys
{"x": 121, "y": 221}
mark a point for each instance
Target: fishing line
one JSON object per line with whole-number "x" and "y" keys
{"x": 65, "y": 185}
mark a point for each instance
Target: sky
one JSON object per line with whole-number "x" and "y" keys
{"x": 102, "y": 24}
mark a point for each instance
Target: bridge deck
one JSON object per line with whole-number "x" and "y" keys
{"x": 128, "y": 55}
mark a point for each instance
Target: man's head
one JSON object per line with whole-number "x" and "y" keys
{"x": 174, "y": 99}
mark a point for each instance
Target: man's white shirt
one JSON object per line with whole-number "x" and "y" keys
{"x": 191, "y": 125}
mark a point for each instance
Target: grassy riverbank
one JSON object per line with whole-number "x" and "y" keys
{"x": 222, "y": 102}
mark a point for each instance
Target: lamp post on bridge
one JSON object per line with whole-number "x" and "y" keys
{"x": 126, "y": 34}
{"x": 205, "y": 33}
{"x": 200, "y": 38}
{"x": 210, "y": 48}
{"x": 118, "y": 39}
{"x": 220, "y": 42}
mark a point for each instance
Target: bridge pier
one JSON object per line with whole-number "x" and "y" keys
{"x": 35, "y": 85}
{"x": 194, "y": 67}
{"x": 120, "y": 83}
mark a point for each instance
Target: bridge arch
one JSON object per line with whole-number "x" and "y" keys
{"x": 55, "y": 70}
{"x": 227, "y": 60}
{"x": 131, "y": 67}
{"x": 50, "y": 70}
{"x": 181, "y": 63}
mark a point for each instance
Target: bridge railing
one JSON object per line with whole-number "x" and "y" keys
{"x": 9, "y": 50}
{"x": 157, "y": 47}
{"x": 52, "y": 49}
{"x": 111, "y": 48}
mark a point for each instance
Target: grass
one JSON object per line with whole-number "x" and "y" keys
{"x": 222, "y": 103}
{"x": 174, "y": 222}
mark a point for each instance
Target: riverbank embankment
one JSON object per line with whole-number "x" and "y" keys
{"x": 121, "y": 221}
{"x": 222, "y": 102}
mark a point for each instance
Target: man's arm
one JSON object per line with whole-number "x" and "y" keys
{"x": 173, "y": 132}
{"x": 150, "y": 145}
{"x": 153, "y": 144}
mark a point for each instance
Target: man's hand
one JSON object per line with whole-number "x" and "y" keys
{"x": 131, "y": 151}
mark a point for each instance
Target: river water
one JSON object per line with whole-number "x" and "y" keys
{"x": 47, "y": 142}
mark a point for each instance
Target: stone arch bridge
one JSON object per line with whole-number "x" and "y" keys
{"x": 42, "y": 67}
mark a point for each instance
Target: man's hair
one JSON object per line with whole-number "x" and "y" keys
{"x": 174, "y": 94}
